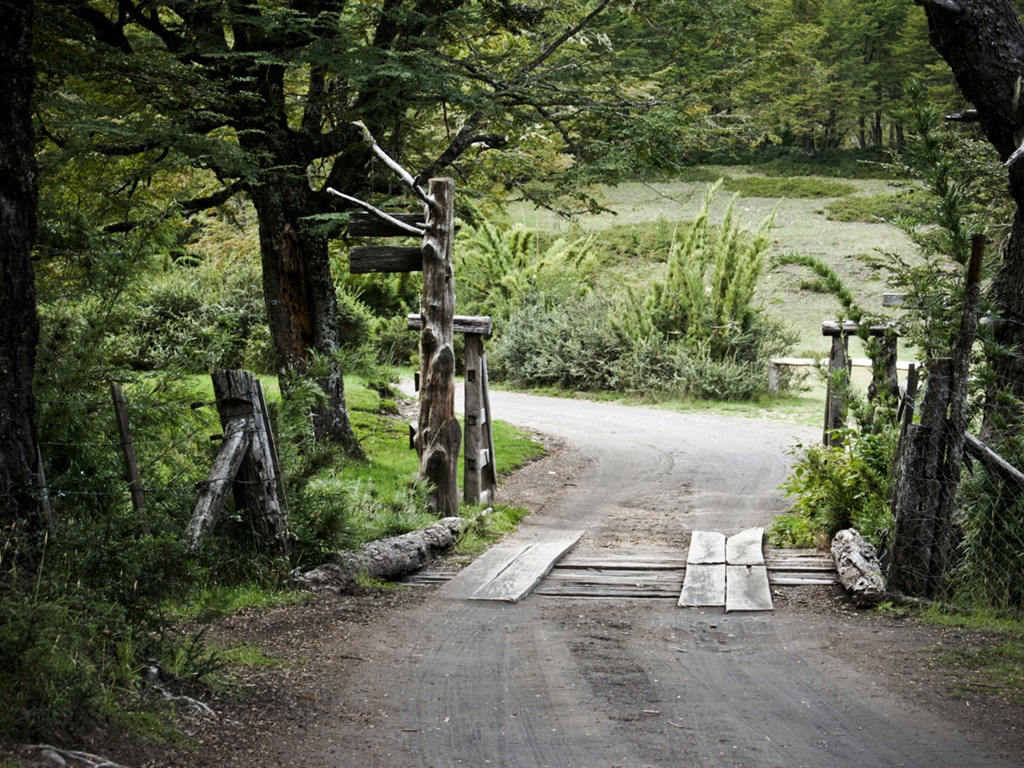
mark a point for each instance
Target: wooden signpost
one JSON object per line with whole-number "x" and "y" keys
{"x": 438, "y": 436}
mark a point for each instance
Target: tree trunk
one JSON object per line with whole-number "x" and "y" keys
{"x": 19, "y": 329}
{"x": 983, "y": 43}
{"x": 390, "y": 558}
{"x": 302, "y": 306}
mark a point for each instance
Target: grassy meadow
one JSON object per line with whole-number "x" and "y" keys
{"x": 643, "y": 216}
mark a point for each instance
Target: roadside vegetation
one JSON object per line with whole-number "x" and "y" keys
{"x": 627, "y": 236}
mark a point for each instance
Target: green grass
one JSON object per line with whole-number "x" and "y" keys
{"x": 991, "y": 660}
{"x": 791, "y": 187}
{"x": 875, "y": 208}
{"x": 211, "y": 601}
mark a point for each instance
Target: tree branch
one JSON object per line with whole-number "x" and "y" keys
{"x": 572, "y": 31}
{"x": 390, "y": 162}
{"x": 411, "y": 229}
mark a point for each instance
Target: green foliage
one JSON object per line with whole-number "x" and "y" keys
{"x": 844, "y": 487}
{"x": 991, "y": 513}
{"x": 911, "y": 203}
{"x": 829, "y": 281}
{"x": 196, "y": 318}
{"x": 496, "y": 269}
{"x": 964, "y": 185}
{"x": 793, "y": 532}
{"x": 696, "y": 333}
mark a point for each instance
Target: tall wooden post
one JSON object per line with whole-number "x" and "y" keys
{"x": 439, "y": 437}
{"x": 925, "y": 532}
{"x": 478, "y": 465}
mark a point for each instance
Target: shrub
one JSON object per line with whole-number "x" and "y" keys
{"x": 196, "y": 317}
{"x": 848, "y": 486}
{"x": 498, "y": 269}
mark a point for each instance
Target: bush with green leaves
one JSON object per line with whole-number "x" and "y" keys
{"x": 847, "y": 485}
{"x": 197, "y": 316}
{"x": 697, "y": 332}
{"x": 497, "y": 270}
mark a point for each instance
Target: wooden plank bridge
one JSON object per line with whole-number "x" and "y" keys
{"x": 638, "y": 573}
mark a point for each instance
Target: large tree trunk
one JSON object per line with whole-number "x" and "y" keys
{"x": 19, "y": 330}
{"x": 302, "y": 306}
{"x": 983, "y": 43}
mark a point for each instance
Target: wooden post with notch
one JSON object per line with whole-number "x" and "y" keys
{"x": 439, "y": 437}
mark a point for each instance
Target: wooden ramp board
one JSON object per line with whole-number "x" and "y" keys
{"x": 748, "y": 588}
{"x": 744, "y": 548}
{"x": 706, "y": 547}
{"x": 509, "y": 572}
{"x": 703, "y": 585}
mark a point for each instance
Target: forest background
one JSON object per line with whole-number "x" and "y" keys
{"x": 183, "y": 153}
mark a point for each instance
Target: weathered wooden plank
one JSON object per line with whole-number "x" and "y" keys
{"x": 482, "y": 570}
{"x": 744, "y": 548}
{"x": 703, "y": 585}
{"x": 362, "y": 224}
{"x": 527, "y": 570}
{"x": 479, "y": 325}
{"x": 616, "y": 577}
{"x": 796, "y": 567}
{"x": 786, "y": 579}
{"x": 364, "y": 259}
{"x": 706, "y": 547}
{"x": 849, "y": 328}
{"x": 747, "y": 588}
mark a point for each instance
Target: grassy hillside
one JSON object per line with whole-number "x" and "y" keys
{"x": 801, "y": 225}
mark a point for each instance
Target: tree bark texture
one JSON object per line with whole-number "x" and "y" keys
{"x": 19, "y": 329}
{"x": 858, "y": 567}
{"x": 439, "y": 436}
{"x": 983, "y": 43}
{"x": 302, "y": 306}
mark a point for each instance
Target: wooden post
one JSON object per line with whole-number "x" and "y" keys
{"x": 245, "y": 464}
{"x": 925, "y": 533}
{"x": 439, "y": 437}
{"x": 885, "y": 381}
{"x": 127, "y": 447}
{"x": 472, "y": 463}
{"x": 838, "y": 378}
{"x": 489, "y": 480}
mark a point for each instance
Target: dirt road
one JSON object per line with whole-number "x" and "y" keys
{"x": 572, "y": 683}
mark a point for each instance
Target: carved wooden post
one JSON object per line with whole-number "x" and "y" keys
{"x": 439, "y": 437}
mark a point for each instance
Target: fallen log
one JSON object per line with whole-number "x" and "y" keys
{"x": 860, "y": 572}
{"x": 385, "y": 559}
